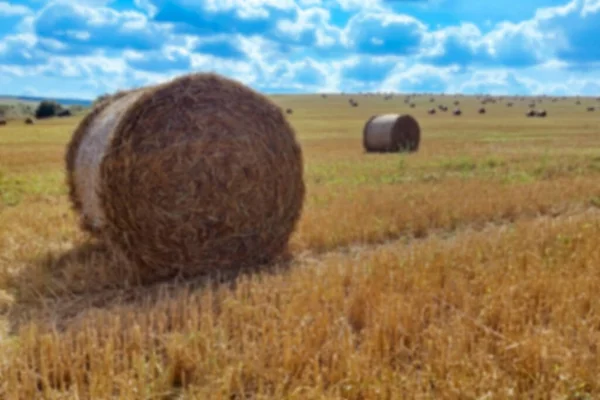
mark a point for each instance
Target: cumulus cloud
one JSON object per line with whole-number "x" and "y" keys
{"x": 96, "y": 46}
{"x": 383, "y": 33}
{"x": 7, "y": 9}
{"x": 83, "y": 28}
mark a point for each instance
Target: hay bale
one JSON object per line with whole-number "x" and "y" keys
{"x": 431, "y": 111}
{"x": 391, "y": 133}
{"x": 289, "y": 111}
{"x": 29, "y": 121}
{"x": 412, "y": 105}
{"x": 2, "y": 122}
{"x": 530, "y": 113}
{"x": 591, "y": 109}
{"x": 482, "y": 110}
{"x": 194, "y": 174}
{"x": 457, "y": 112}
{"x": 541, "y": 113}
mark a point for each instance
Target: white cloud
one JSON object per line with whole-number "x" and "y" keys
{"x": 590, "y": 7}
{"x": 89, "y": 44}
{"x": 8, "y": 9}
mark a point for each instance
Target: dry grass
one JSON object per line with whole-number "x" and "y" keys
{"x": 466, "y": 270}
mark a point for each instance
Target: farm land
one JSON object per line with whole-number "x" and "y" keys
{"x": 466, "y": 270}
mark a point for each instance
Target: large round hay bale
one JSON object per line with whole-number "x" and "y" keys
{"x": 194, "y": 174}
{"x": 2, "y": 122}
{"x": 391, "y": 133}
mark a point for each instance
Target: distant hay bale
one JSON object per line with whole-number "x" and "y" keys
{"x": 194, "y": 174}
{"x": 530, "y": 113}
{"x": 412, "y": 105}
{"x": 482, "y": 110}
{"x": 509, "y": 104}
{"x": 64, "y": 113}
{"x": 431, "y": 111}
{"x": 29, "y": 121}
{"x": 289, "y": 111}
{"x": 391, "y": 133}
{"x": 541, "y": 113}
{"x": 457, "y": 112}
{"x": 2, "y": 122}
{"x": 591, "y": 109}
{"x": 456, "y": 102}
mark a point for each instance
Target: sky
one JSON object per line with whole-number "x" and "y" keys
{"x": 85, "y": 48}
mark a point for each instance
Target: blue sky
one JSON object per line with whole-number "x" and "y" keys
{"x": 83, "y": 48}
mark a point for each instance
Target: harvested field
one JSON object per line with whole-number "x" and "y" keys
{"x": 464, "y": 270}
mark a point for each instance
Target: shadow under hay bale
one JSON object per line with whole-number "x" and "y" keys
{"x": 391, "y": 133}
{"x": 198, "y": 173}
{"x": 56, "y": 289}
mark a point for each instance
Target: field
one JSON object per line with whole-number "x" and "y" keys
{"x": 467, "y": 270}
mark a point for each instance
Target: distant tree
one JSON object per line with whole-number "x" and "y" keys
{"x": 47, "y": 109}
{"x": 65, "y": 112}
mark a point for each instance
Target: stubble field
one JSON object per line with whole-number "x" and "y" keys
{"x": 467, "y": 270}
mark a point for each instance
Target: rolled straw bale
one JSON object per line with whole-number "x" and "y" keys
{"x": 194, "y": 174}
{"x": 2, "y": 122}
{"x": 391, "y": 133}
